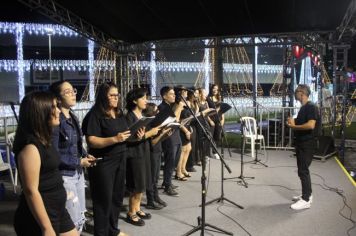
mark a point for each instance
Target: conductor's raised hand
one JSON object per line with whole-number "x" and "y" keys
{"x": 121, "y": 137}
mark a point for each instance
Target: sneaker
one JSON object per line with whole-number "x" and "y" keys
{"x": 171, "y": 192}
{"x": 160, "y": 201}
{"x": 300, "y": 205}
{"x": 153, "y": 206}
{"x": 297, "y": 198}
{"x": 216, "y": 156}
{"x": 174, "y": 186}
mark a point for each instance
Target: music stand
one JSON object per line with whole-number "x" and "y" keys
{"x": 241, "y": 177}
{"x": 222, "y": 197}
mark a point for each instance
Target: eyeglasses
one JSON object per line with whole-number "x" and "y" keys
{"x": 114, "y": 95}
{"x": 69, "y": 92}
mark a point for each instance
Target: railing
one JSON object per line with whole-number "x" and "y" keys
{"x": 271, "y": 119}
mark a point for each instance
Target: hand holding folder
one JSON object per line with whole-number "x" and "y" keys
{"x": 141, "y": 123}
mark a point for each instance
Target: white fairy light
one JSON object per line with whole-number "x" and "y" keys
{"x": 91, "y": 69}
{"x": 20, "y": 62}
{"x": 153, "y": 68}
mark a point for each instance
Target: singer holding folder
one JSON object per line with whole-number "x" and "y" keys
{"x": 106, "y": 132}
{"x": 138, "y": 175}
{"x": 172, "y": 145}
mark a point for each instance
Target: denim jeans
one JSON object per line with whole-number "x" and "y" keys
{"x": 75, "y": 204}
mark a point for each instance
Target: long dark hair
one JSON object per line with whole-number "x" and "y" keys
{"x": 55, "y": 88}
{"x": 36, "y": 112}
{"x": 132, "y": 96}
{"x": 102, "y": 100}
{"x": 218, "y": 96}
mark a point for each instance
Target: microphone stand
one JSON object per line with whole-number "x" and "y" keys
{"x": 256, "y": 160}
{"x": 222, "y": 197}
{"x": 12, "y": 105}
{"x": 241, "y": 177}
{"x": 201, "y": 220}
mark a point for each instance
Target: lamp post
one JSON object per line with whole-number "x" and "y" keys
{"x": 49, "y": 33}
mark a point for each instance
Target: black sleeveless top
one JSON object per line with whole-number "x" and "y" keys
{"x": 50, "y": 178}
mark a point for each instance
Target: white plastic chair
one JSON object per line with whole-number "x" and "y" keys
{"x": 251, "y": 136}
{"x": 7, "y": 165}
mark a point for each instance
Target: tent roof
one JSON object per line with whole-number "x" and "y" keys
{"x": 138, "y": 21}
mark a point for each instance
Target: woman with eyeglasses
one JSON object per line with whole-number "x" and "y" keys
{"x": 41, "y": 210}
{"x": 106, "y": 131}
{"x": 67, "y": 139}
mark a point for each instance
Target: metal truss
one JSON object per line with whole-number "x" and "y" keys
{"x": 313, "y": 40}
{"x": 53, "y": 10}
{"x": 347, "y": 28}
{"x": 58, "y": 13}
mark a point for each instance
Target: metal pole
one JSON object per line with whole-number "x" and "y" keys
{"x": 254, "y": 83}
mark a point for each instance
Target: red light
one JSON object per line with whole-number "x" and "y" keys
{"x": 298, "y": 51}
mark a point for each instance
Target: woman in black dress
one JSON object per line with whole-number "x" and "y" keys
{"x": 207, "y": 122}
{"x": 185, "y": 135}
{"x": 193, "y": 158}
{"x": 41, "y": 210}
{"x": 138, "y": 163}
{"x": 214, "y": 101}
{"x": 106, "y": 131}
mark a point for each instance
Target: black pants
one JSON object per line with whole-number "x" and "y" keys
{"x": 152, "y": 190}
{"x": 107, "y": 183}
{"x": 304, "y": 152}
{"x": 171, "y": 153}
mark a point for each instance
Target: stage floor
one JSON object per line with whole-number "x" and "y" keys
{"x": 266, "y": 201}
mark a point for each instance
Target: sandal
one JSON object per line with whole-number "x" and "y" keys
{"x": 132, "y": 220}
{"x": 180, "y": 178}
{"x": 144, "y": 215}
{"x": 186, "y": 174}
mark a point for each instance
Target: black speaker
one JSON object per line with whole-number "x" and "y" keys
{"x": 325, "y": 148}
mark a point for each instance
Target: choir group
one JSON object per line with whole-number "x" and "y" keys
{"x": 126, "y": 149}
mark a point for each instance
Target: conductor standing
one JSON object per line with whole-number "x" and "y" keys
{"x": 305, "y": 144}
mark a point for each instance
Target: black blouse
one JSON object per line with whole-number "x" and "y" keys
{"x": 136, "y": 149}
{"x": 97, "y": 124}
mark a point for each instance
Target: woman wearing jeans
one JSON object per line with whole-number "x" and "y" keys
{"x": 67, "y": 139}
